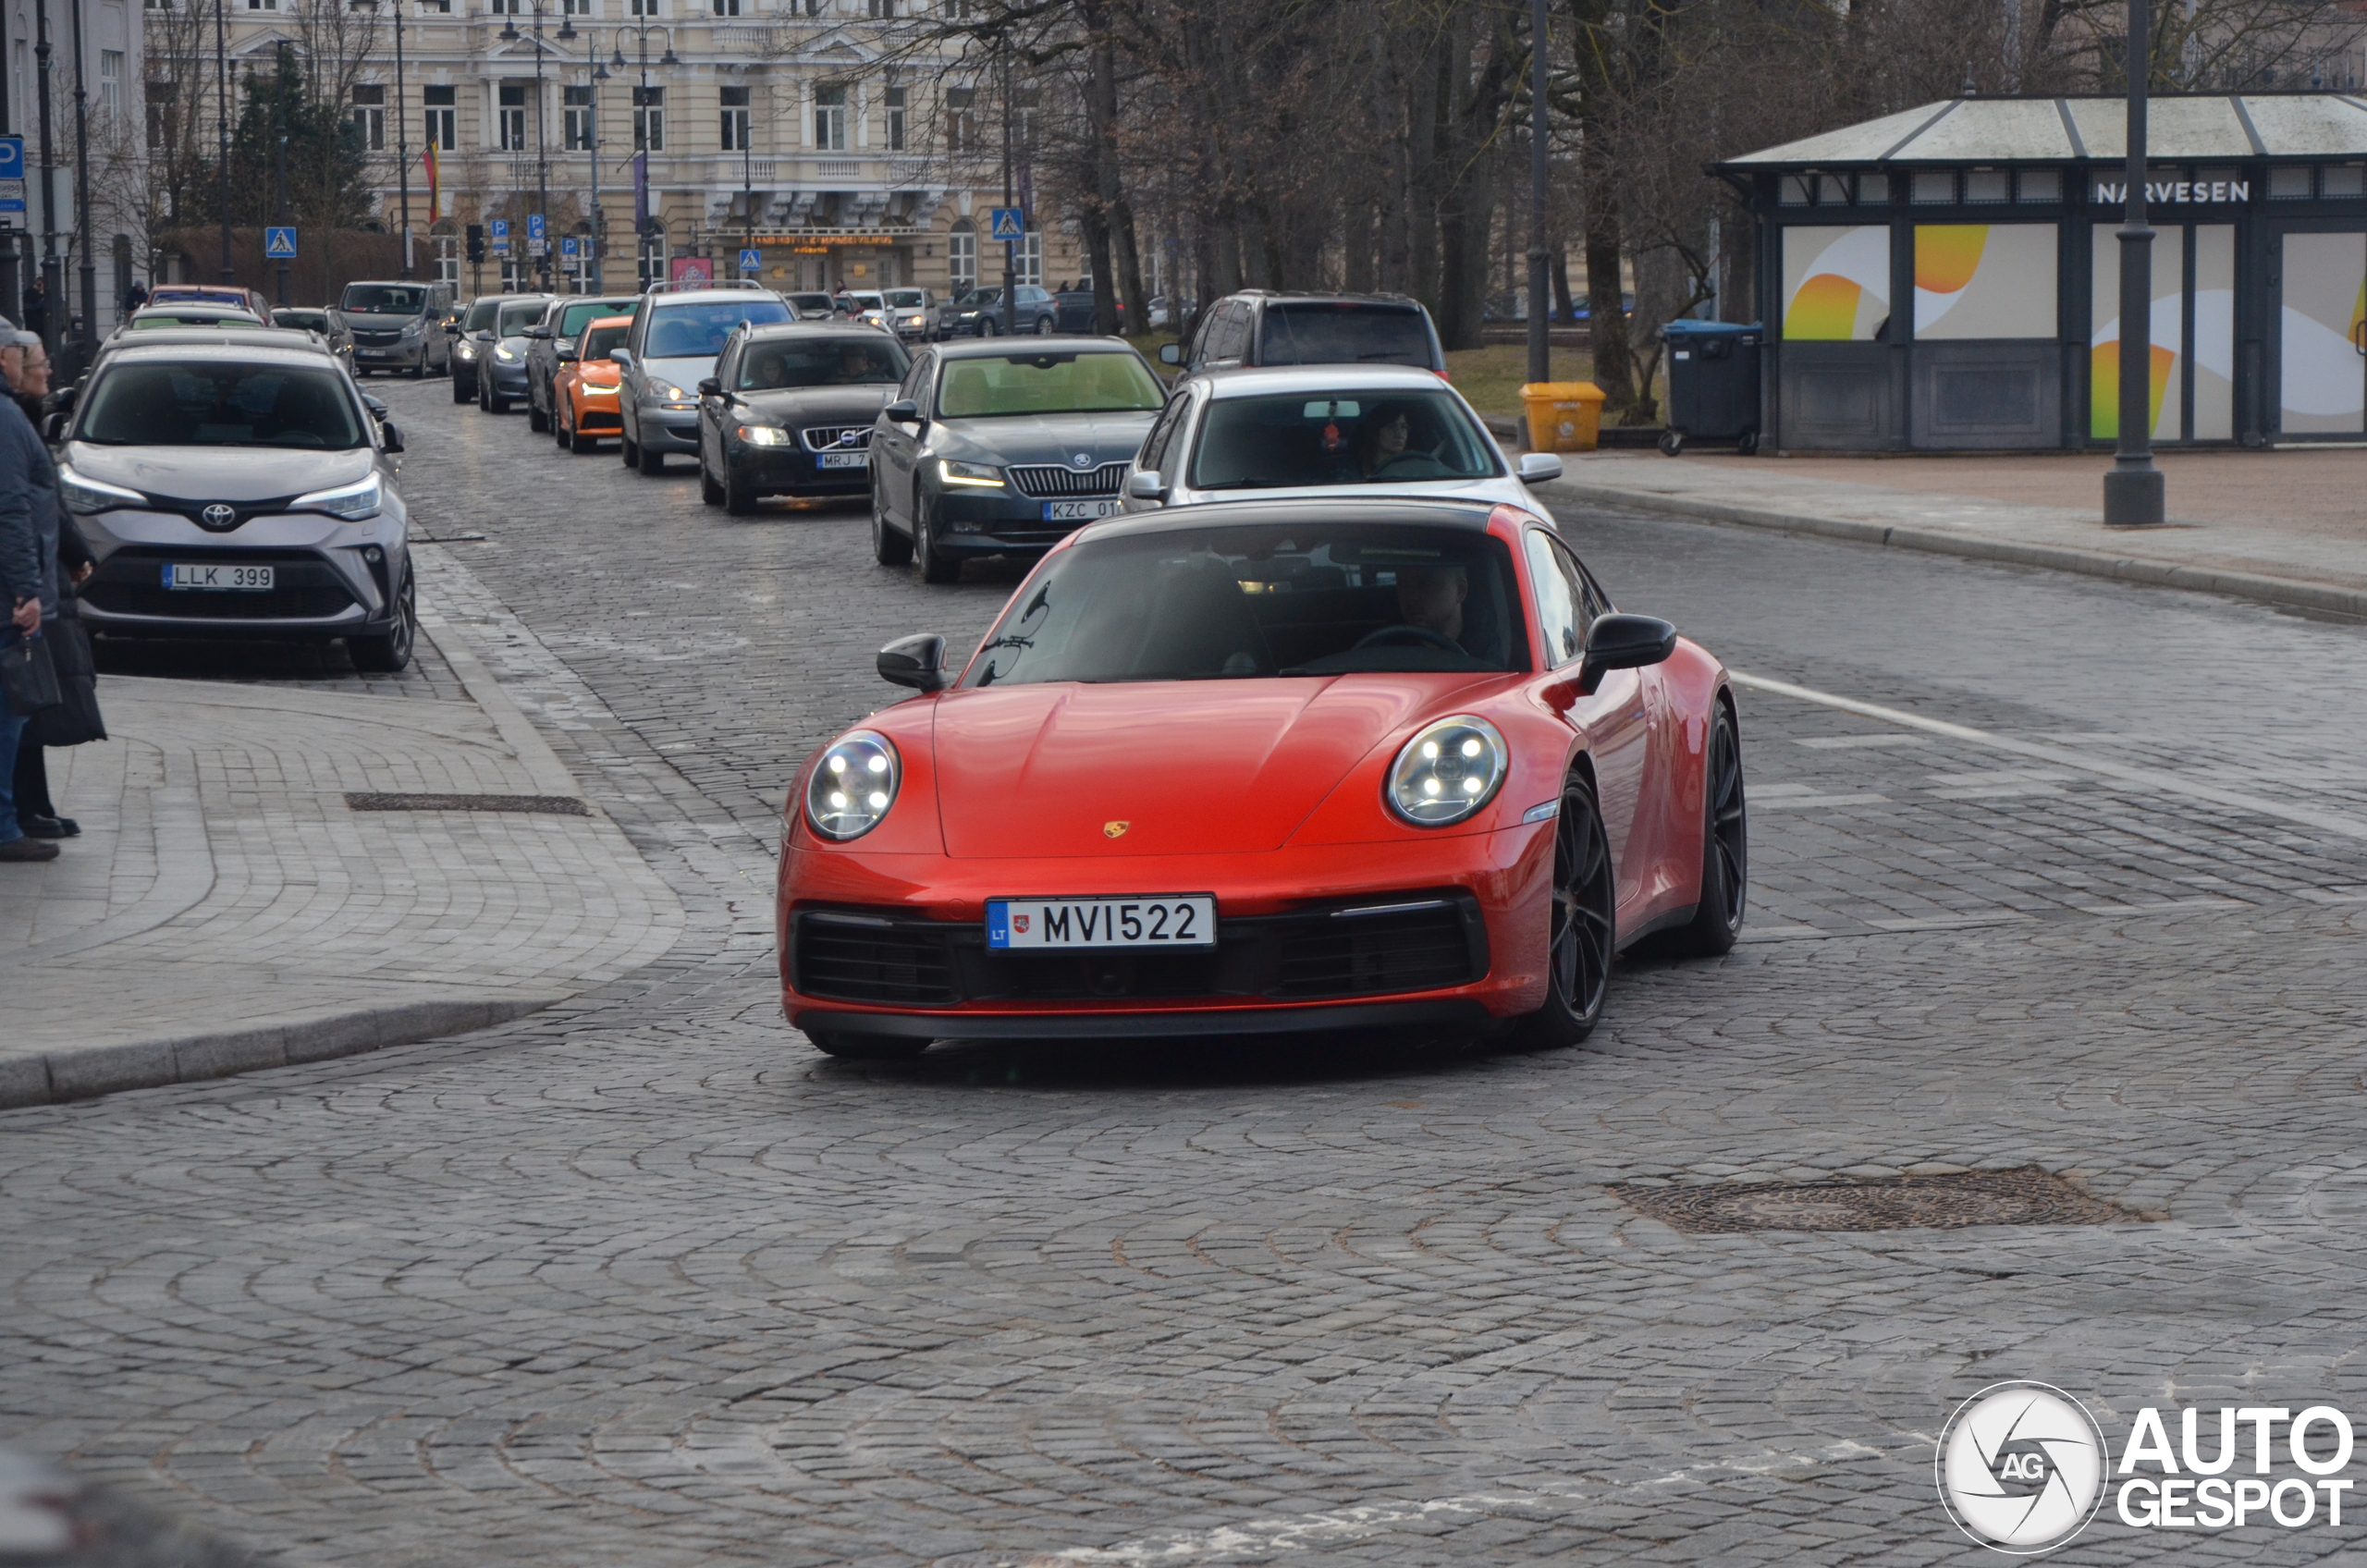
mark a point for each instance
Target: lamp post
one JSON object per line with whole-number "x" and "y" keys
{"x": 89, "y": 266}
{"x": 222, "y": 123}
{"x": 599, "y": 219}
{"x": 640, "y": 236}
{"x": 1541, "y": 345}
{"x": 52, "y": 283}
{"x": 2134, "y": 489}
{"x": 509, "y": 34}
{"x": 402, "y": 131}
{"x": 279, "y": 167}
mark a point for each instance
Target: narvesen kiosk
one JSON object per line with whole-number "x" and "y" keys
{"x": 1948, "y": 279}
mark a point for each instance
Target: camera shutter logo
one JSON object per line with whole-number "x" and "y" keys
{"x": 2021, "y": 1467}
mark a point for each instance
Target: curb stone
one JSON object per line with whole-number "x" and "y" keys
{"x": 2285, "y": 592}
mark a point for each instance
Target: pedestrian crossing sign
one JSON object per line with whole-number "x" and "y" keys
{"x": 279, "y": 244}
{"x": 1010, "y": 223}
{"x": 752, "y": 260}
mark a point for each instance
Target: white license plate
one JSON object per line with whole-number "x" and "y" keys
{"x": 374, "y": 353}
{"x": 1160, "y": 921}
{"x": 839, "y": 459}
{"x": 253, "y": 579}
{"x": 1078, "y": 511}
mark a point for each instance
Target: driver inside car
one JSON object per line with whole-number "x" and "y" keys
{"x": 1431, "y": 597}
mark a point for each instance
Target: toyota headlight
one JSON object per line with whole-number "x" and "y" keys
{"x": 352, "y": 502}
{"x": 985, "y": 476}
{"x": 1448, "y": 771}
{"x": 763, "y": 436}
{"x": 853, "y": 786}
{"x": 88, "y": 495}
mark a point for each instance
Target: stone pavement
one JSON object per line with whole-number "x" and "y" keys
{"x": 226, "y": 909}
{"x": 2285, "y": 528}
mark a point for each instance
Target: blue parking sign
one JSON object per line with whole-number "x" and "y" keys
{"x": 570, "y": 247}
{"x": 500, "y": 227}
{"x": 534, "y": 227}
{"x": 12, "y": 157}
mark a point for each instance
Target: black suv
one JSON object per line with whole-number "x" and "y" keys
{"x": 1259, "y": 326}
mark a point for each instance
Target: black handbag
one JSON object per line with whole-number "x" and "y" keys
{"x": 28, "y": 675}
{"x": 73, "y": 719}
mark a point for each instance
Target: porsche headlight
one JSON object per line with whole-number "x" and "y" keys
{"x": 853, "y": 786}
{"x": 1449, "y": 771}
{"x": 985, "y": 476}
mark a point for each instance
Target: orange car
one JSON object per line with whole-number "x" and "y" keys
{"x": 583, "y": 393}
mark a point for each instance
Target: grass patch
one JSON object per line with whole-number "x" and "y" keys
{"x": 1492, "y": 377}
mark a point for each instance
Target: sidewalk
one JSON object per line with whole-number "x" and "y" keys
{"x": 2284, "y": 528}
{"x": 226, "y": 908}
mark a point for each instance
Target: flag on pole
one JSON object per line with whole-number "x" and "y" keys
{"x": 434, "y": 191}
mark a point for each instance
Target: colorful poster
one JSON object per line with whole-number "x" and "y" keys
{"x": 1836, "y": 284}
{"x": 2323, "y": 385}
{"x": 1979, "y": 280}
{"x": 2214, "y": 332}
{"x": 2166, "y": 333}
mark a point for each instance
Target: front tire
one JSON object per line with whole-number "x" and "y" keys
{"x": 1579, "y": 937}
{"x": 853, "y": 1047}
{"x": 390, "y": 655}
{"x": 1725, "y": 850}
{"x": 738, "y": 498}
{"x": 626, "y": 451}
{"x": 934, "y": 566}
{"x": 461, "y": 393}
{"x": 650, "y": 462}
{"x": 709, "y": 491}
{"x": 536, "y": 421}
{"x": 888, "y": 546}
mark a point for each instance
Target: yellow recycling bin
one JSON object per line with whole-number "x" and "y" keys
{"x": 1563, "y": 416}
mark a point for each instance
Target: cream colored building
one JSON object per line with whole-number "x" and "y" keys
{"x": 781, "y": 126}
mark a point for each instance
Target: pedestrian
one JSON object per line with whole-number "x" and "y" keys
{"x": 844, "y": 300}
{"x": 134, "y": 297}
{"x": 27, "y": 372}
{"x": 28, "y": 578}
{"x": 37, "y": 310}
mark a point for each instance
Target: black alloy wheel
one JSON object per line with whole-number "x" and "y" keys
{"x": 856, "y": 1047}
{"x": 418, "y": 371}
{"x": 462, "y": 392}
{"x": 388, "y": 655}
{"x": 1580, "y": 941}
{"x": 709, "y": 491}
{"x": 1725, "y": 850}
{"x": 935, "y": 566}
{"x": 888, "y": 546}
{"x": 625, "y": 448}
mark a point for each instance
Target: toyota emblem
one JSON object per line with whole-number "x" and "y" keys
{"x": 1081, "y": 459}
{"x": 219, "y": 516}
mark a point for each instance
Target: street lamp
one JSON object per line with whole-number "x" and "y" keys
{"x": 88, "y": 342}
{"x": 53, "y": 282}
{"x": 402, "y": 130}
{"x": 2134, "y": 489}
{"x": 509, "y": 34}
{"x": 641, "y": 29}
{"x": 222, "y": 123}
{"x": 599, "y": 219}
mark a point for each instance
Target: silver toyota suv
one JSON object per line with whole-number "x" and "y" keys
{"x": 243, "y": 492}
{"x": 670, "y": 347}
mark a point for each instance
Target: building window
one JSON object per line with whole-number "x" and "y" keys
{"x": 443, "y": 119}
{"x": 961, "y": 119}
{"x": 881, "y": 10}
{"x": 649, "y": 120}
{"x": 641, "y": 7}
{"x": 511, "y": 119}
{"x": 735, "y": 118}
{"x": 831, "y": 118}
{"x": 161, "y": 121}
{"x": 263, "y": 5}
{"x": 369, "y": 115}
{"x": 110, "y": 81}
{"x": 895, "y": 119}
{"x": 727, "y": 8}
{"x": 962, "y": 259}
{"x": 440, "y": 8}
{"x": 575, "y": 8}
{"x": 1029, "y": 260}
{"x": 575, "y": 107}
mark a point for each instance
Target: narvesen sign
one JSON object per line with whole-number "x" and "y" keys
{"x": 2188, "y": 192}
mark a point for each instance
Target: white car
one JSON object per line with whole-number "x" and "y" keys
{"x": 910, "y": 313}
{"x": 1315, "y": 430}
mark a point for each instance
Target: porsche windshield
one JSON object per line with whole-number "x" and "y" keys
{"x": 1274, "y": 443}
{"x": 1255, "y": 601}
{"x": 218, "y": 403}
{"x": 1073, "y": 381}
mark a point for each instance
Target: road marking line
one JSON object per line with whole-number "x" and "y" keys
{"x": 1836, "y": 743}
{"x": 1795, "y": 802}
{"x": 2348, "y": 827}
{"x": 1951, "y": 922}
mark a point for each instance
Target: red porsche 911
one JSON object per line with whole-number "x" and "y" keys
{"x": 1249, "y": 768}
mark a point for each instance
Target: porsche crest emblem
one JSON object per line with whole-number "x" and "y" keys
{"x": 1115, "y": 829}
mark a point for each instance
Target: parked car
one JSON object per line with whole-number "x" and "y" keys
{"x": 243, "y": 490}
{"x": 563, "y": 323}
{"x": 1260, "y": 327}
{"x": 997, "y": 449}
{"x": 815, "y": 306}
{"x": 473, "y": 335}
{"x": 154, "y": 318}
{"x": 322, "y": 322}
{"x": 671, "y": 347}
{"x": 583, "y": 393}
{"x": 501, "y": 364}
{"x": 247, "y": 299}
{"x": 1166, "y": 315}
{"x": 863, "y": 304}
{"x": 911, "y": 314}
{"x": 789, "y": 411}
{"x": 1073, "y": 308}
{"x": 1266, "y": 768}
{"x": 979, "y": 313}
{"x": 1325, "y": 430}
{"x": 398, "y": 326}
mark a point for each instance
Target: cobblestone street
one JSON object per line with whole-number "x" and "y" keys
{"x": 645, "y": 1282}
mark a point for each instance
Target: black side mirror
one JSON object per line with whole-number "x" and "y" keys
{"x": 711, "y": 388}
{"x": 53, "y": 428}
{"x": 378, "y": 406}
{"x": 540, "y": 334}
{"x": 568, "y": 356}
{"x": 393, "y": 439}
{"x": 904, "y": 410}
{"x": 917, "y": 662}
{"x": 1623, "y": 642}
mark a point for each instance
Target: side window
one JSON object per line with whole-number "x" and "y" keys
{"x": 915, "y": 386}
{"x": 726, "y": 364}
{"x": 1593, "y": 602}
{"x": 1560, "y": 600}
{"x": 1231, "y": 335}
{"x": 1162, "y": 434}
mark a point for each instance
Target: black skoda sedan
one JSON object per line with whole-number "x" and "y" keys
{"x": 790, "y": 410}
{"x": 996, "y": 447}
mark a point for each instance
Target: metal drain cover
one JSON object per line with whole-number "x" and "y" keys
{"x": 554, "y": 805}
{"x": 2025, "y": 1196}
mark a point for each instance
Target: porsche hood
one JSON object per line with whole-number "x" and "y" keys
{"x": 1211, "y": 767}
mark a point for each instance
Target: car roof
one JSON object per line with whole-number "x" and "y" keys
{"x": 1376, "y": 512}
{"x": 1021, "y": 347}
{"x": 836, "y": 327}
{"x": 194, "y": 307}
{"x": 222, "y": 353}
{"x": 1251, "y": 380}
{"x": 705, "y": 295}
{"x": 206, "y": 337}
{"x": 1324, "y": 297}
